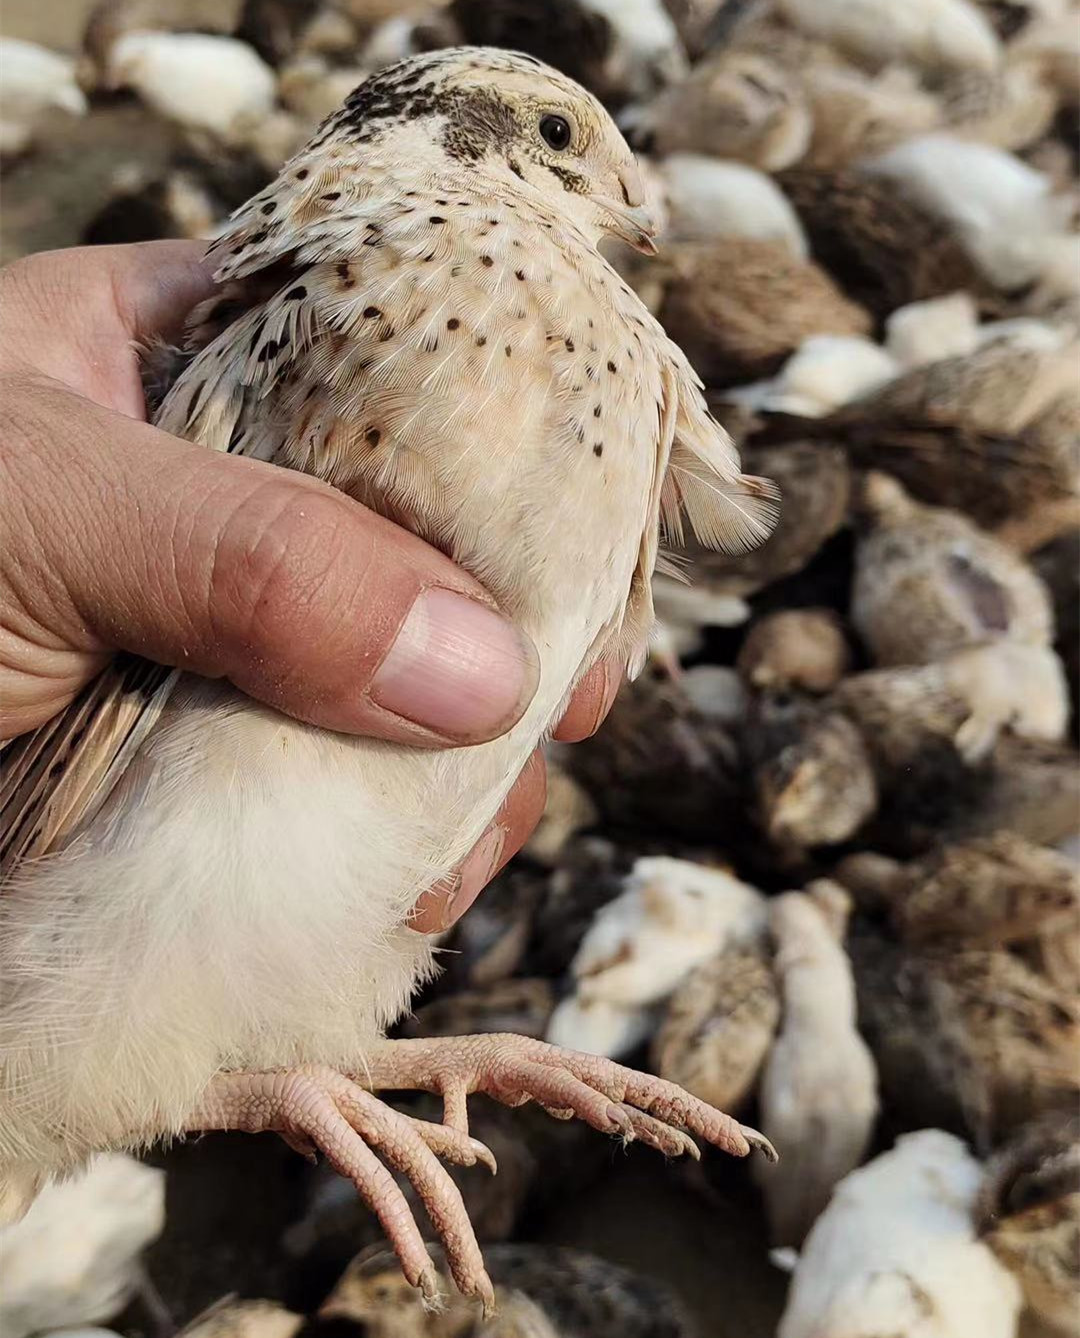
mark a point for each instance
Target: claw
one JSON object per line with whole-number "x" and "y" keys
{"x": 624, "y": 1125}
{"x": 689, "y": 1148}
{"x": 760, "y": 1142}
{"x": 485, "y": 1294}
{"x": 428, "y": 1285}
{"x": 484, "y": 1155}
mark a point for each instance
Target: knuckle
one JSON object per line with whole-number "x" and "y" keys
{"x": 280, "y": 582}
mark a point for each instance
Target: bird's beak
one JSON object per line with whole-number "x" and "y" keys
{"x": 635, "y": 226}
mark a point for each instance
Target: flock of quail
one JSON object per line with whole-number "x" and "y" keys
{"x": 820, "y": 865}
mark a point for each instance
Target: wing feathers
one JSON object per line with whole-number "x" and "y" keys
{"x": 727, "y": 510}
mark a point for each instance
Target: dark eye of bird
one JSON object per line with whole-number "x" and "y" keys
{"x": 555, "y": 131}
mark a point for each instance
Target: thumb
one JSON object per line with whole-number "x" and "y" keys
{"x": 122, "y": 537}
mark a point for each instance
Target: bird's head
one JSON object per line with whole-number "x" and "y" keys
{"x": 514, "y": 121}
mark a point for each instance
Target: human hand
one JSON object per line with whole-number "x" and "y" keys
{"x": 121, "y": 537}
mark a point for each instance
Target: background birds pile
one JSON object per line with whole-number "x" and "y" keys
{"x": 820, "y": 865}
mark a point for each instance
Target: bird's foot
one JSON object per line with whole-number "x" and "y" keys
{"x": 567, "y": 1083}
{"x": 316, "y": 1108}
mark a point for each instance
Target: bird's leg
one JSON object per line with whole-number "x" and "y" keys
{"x": 515, "y": 1069}
{"x": 317, "y": 1108}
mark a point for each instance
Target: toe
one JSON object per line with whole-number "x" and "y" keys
{"x": 398, "y": 1140}
{"x": 655, "y": 1134}
{"x": 454, "y": 1146}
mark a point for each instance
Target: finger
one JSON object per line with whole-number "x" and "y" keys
{"x": 445, "y": 904}
{"x": 590, "y": 703}
{"x": 128, "y": 538}
{"x": 111, "y": 298}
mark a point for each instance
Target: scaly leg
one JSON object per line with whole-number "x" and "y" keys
{"x": 515, "y": 1069}
{"x": 316, "y": 1107}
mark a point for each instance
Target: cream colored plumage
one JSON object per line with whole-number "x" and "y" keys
{"x": 935, "y": 34}
{"x": 1002, "y": 211}
{"x": 710, "y": 198}
{"x": 672, "y": 916}
{"x": 244, "y": 1319}
{"x": 74, "y": 1258}
{"x": 818, "y": 1091}
{"x": 895, "y": 1253}
{"x": 200, "y": 80}
{"x": 416, "y": 312}
{"x": 36, "y": 81}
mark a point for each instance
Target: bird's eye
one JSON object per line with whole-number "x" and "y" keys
{"x": 556, "y": 132}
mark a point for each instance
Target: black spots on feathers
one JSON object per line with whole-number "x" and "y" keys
{"x": 345, "y": 274}
{"x": 596, "y": 411}
{"x": 569, "y": 345}
{"x": 611, "y": 366}
{"x": 272, "y": 348}
{"x": 437, "y": 219}
{"x": 486, "y": 261}
{"x": 387, "y": 98}
{"x": 508, "y": 350}
{"x": 372, "y": 313}
{"x": 296, "y": 294}
{"x": 303, "y": 174}
{"x": 598, "y": 449}
{"x": 452, "y": 323}
{"x": 480, "y": 341}
{"x": 519, "y": 274}
{"x": 268, "y": 208}
{"x": 515, "y": 167}
{"x": 373, "y": 436}
{"x": 256, "y": 337}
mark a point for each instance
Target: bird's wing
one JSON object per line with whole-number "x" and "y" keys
{"x": 696, "y": 479}
{"x": 57, "y": 777}
{"x": 727, "y": 510}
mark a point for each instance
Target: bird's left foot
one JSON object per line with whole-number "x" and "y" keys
{"x": 316, "y": 1108}
{"x": 567, "y": 1083}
